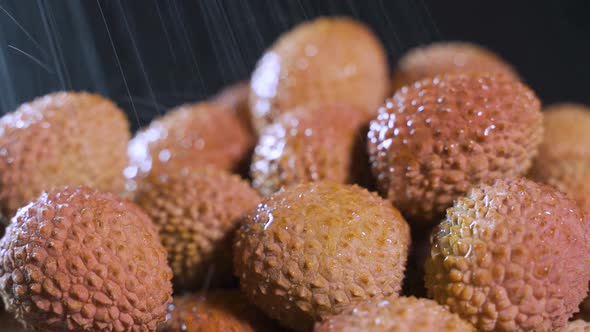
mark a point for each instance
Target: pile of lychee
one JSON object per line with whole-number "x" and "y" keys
{"x": 319, "y": 196}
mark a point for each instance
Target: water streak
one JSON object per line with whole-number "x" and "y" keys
{"x": 32, "y": 58}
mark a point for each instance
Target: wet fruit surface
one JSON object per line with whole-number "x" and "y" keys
{"x": 196, "y": 213}
{"x": 447, "y": 58}
{"x": 308, "y": 144}
{"x": 60, "y": 139}
{"x": 77, "y": 259}
{"x": 188, "y": 137}
{"x": 564, "y": 158}
{"x": 325, "y": 60}
{"x": 435, "y": 139}
{"x": 512, "y": 256}
{"x": 215, "y": 311}
{"x": 313, "y": 248}
{"x": 301, "y": 247}
{"x": 576, "y": 326}
{"x": 402, "y": 314}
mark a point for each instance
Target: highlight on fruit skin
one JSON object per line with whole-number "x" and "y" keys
{"x": 435, "y": 139}
{"x": 189, "y": 136}
{"x": 564, "y": 154}
{"x": 196, "y": 213}
{"x": 577, "y": 325}
{"x": 447, "y": 57}
{"x": 512, "y": 256}
{"x": 63, "y": 138}
{"x": 215, "y": 310}
{"x": 399, "y": 314}
{"x": 310, "y": 143}
{"x": 329, "y": 59}
{"x": 311, "y": 249}
{"x": 77, "y": 259}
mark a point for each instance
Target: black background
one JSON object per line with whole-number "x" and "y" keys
{"x": 151, "y": 55}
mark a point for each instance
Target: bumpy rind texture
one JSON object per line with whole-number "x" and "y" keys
{"x": 312, "y": 248}
{"x": 310, "y": 143}
{"x": 564, "y": 155}
{"x": 435, "y": 139}
{"x": 215, "y": 311}
{"x": 77, "y": 259}
{"x": 65, "y": 138}
{"x": 329, "y": 60}
{"x": 577, "y": 325}
{"x": 511, "y": 257}
{"x": 402, "y": 314}
{"x": 196, "y": 214}
{"x": 447, "y": 58}
{"x": 188, "y": 137}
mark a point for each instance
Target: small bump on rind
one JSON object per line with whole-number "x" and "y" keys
{"x": 538, "y": 240}
{"x": 564, "y": 158}
{"x": 341, "y": 230}
{"x": 196, "y": 214}
{"x": 310, "y": 143}
{"x": 64, "y": 138}
{"x": 67, "y": 298}
{"x": 435, "y": 139}
{"x": 188, "y": 137}
{"x": 216, "y": 310}
{"x": 329, "y": 59}
{"x": 402, "y": 314}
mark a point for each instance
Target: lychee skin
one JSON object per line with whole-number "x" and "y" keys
{"x": 64, "y": 138}
{"x": 446, "y": 57}
{"x": 188, "y": 137}
{"x": 329, "y": 59}
{"x": 235, "y": 99}
{"x": 311, "y": 249}
{"x": 77, "y": 259}
{"x": 215, "y": 311}
{"x": 310, "y": 143}
{"x": 512, "y": 256}
{"x": 402, "y": 314}
{"x": 435, "y": 139}
{"x": 577, "y": 325}
{"x": 564, "y": 155}
{"x": 196, "y": 214}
